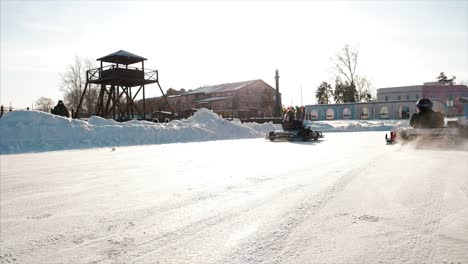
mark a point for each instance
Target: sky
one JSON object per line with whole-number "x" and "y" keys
{"x": 196, "y": 43}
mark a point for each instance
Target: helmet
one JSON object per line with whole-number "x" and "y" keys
{"x": 424, "y": 104}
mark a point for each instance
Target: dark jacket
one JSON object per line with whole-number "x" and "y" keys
{"x": 61, "y": 110}
{"x": 290, "y": 123}
{"x": 427, "y": 119}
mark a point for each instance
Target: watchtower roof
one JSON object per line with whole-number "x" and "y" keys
{"x": 122, "y": 57}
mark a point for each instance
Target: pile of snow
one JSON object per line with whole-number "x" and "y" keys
{"x": 356, "y": 125}
{"x": 32, "y": 131}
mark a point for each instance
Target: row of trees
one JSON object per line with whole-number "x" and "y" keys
{"x": 349, "y": 86}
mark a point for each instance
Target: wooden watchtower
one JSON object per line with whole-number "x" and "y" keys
{"x": 118, "y": 82}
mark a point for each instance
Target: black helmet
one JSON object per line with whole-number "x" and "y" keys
{"x": 424, "y": 104}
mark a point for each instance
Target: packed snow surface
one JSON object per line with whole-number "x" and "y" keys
{"x": 348, "y": 198}
{"x": 32, "y": 131}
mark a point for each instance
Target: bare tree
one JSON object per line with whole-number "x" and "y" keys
{"x": 354, "y": 87}
{"x": 73, "y": 84}
{"x": 346, "y": 63}
{"x": 345, "y": 73}
{"x": 44, "y": 104}
{"x": 364, "y": 89}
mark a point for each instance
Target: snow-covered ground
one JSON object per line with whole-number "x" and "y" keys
{"x": 346, "y": 199}
{"x": 99, "y": 191}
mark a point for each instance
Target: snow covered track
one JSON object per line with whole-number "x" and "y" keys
{"x": 347, "y": 199}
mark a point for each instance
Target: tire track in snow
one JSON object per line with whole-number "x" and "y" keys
{"x": 416, "y": 243}
{"x": 132, "y": 251}
{"x": 190, "y": 231}
{"x": 423, "y": 238}
{"x": 271, "y": 246}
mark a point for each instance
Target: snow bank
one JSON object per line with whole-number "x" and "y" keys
{"x": 356, "y": 125}
{"x": 32, "y": 131}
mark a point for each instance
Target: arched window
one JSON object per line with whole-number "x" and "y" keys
{"x": 346, "y": 113}
{"x": 383, "y": 113}
{"x": 330, "y": 114}
{"x": 314, "y": 115}
{"x": 404, "y": 112}
{"x": 365, "y": 113}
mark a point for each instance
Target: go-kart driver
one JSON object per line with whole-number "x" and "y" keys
{"x": 426, "y": 118}
{"x": 290, "y": 122}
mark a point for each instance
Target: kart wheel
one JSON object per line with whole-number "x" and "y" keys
{"x": 271, "y": 136}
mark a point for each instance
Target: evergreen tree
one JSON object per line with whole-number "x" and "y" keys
{"x": 324, "y": 93}
{"x": 338, "y": 94}
{"x": 443, "y": 79}
{"x": 350, "y": 93}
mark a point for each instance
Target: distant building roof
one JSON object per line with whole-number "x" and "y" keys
{"x": 222, "y": 87}
{"x": 122, "y": 57}
{"x": 399, "y": 88}
{"x": 212, "y": 99}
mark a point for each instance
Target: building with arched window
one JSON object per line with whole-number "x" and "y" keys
{"x": 446, "y": 94}
{"x": 395, "y": 103}
{"x": 402, "y": 109}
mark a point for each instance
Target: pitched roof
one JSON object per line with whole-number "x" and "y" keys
{"x": 206, "y": 100}
{"x": 122, "y": 57}
{"x": 222, "y": 87}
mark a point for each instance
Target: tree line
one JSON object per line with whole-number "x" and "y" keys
{"x": 349, "y": 86}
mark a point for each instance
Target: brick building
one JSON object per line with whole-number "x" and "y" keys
{"x": 446, "y": 94}
{"x": 253, "y": 98}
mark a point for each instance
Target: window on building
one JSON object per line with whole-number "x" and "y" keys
{"x": 365, "y": 113}
{"x": 404, "y": 112}
{"x": 346, "y": 113}
{"x": 383, "y": 113}
{"x": 399, "y": 97}
{"x": 386, "y": 98}
{"x": 330, "y": 114}
{"x": 407, "y": 97}
{"x": 314, "y": 115}
{"x": 450, "y": 101}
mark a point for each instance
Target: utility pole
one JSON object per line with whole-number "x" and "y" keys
{"x": 301, "y": 96}
{"x": 278, "y": 108}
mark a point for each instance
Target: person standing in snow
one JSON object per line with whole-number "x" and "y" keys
{"x": 60, "y": 109}
{"x": 426, "y": 118}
